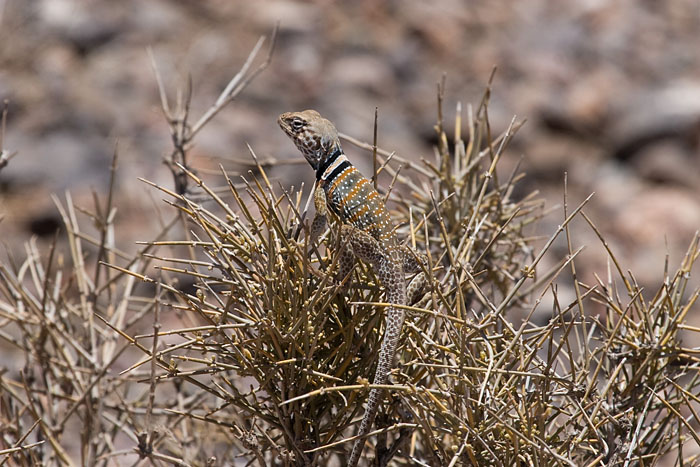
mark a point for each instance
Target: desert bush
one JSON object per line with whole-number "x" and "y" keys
{"x": 271, "y": 363}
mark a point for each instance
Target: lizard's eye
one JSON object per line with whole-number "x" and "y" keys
{"x": 297, "y": 124}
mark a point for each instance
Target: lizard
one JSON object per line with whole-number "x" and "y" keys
{"x": 366, "y": 229}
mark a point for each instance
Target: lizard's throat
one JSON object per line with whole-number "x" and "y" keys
{"x": 330, "y": 163}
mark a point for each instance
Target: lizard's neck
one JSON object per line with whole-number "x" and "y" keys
{"x": 331, "y": 163}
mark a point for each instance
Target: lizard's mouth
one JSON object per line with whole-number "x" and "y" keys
{"x": 283, "y": 124}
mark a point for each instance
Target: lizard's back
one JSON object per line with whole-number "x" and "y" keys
{"x": 354, "y": 200}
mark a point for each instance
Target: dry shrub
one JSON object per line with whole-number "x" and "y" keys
{"x": 271, "y": 364}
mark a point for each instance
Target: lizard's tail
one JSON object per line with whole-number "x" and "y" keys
{"x": 395, "y": 318}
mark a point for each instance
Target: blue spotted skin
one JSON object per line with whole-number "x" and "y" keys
{"x": 355, "y": 201}
{"x": 366, "y": 231}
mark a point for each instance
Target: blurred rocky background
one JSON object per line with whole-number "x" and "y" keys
{"x": 610, "y": 89}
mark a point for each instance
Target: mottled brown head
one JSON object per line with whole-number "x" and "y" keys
{"x": 315, "y": 136}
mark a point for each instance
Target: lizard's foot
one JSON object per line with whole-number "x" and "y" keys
{"x": 414, "y": 262}
{"x": 415, "y": 288}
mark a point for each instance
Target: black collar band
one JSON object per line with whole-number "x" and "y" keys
{"x": 329, "y": 160}
{"x": 337, "y": 171}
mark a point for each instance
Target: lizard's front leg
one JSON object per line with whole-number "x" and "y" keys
{"x": 318, "y": 226}
{"x": 321, "y": 218}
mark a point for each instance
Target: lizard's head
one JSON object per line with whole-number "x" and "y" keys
{"x": 315, "y": 136}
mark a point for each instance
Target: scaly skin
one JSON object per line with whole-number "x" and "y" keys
{"x": 367, "y": 229}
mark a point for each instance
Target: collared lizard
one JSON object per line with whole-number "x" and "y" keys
{"x": 367, "y": 229}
